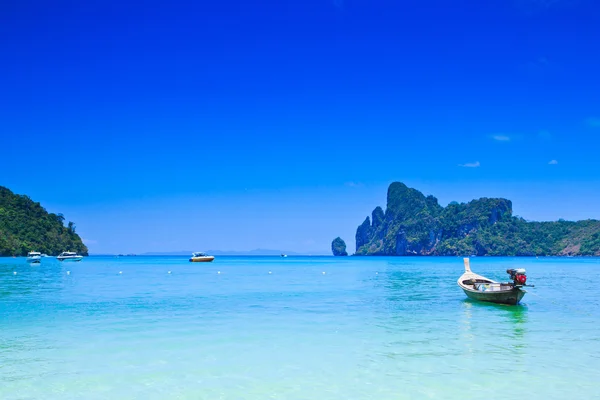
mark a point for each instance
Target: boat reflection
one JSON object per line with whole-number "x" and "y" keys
{"x": 505, "y": 325}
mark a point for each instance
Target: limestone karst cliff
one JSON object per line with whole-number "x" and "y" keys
{"x": 415, "y": 224}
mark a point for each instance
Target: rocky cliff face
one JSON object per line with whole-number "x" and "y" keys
{"x": 408, "y": 225}
{"x": 338, "y": 247}
{"x": 415, "y": 224}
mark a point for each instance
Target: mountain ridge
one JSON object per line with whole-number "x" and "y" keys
{"x": 415, "y": 224}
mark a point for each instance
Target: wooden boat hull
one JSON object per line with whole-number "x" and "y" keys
{"x": 202, "y": 259}
{"x": 512, "y": 297}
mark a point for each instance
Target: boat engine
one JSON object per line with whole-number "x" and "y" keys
{"x": 518, "y": 276}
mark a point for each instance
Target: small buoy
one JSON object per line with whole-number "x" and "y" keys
{"x": 323, "y": 272}
{"x": 68, "y": 272}
{"x": 270, "y": 272}
{"x": 14, "y": 273}
{"x": 376, "y": 273}
{"x": 169, "y": 272}
{"x": 218, "y": 272}
{"x": 120, "y": 272}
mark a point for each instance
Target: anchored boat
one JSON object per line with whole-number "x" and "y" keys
{"x": 480, "y": 288}
{"x": 69, "y": 256}
{"x": 34, "y": 257}
{"x": 201, "y": 257}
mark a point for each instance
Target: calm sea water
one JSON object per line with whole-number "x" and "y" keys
{"x": 295, "y": 328}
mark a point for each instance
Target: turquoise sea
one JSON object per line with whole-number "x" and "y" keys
{"x": 295, "y": 328}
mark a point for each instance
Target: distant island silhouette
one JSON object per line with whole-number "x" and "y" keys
{"x": 255, "y": 252}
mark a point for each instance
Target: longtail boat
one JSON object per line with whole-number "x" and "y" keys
{"x": 480, "y": 288}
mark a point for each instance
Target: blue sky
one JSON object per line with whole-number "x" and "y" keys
{"x": 279, "y": 124}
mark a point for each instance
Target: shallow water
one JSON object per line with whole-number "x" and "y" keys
{"x": 313, "y": 328}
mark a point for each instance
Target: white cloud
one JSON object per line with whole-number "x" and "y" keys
{"x": 501, "y": 138}
{"x": 353, "y": 184}
{"x": 475, "y": 164}
{"x": 594, "y": 122}
{"x": 553, "y": 162}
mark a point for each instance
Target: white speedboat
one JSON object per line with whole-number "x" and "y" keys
{"x": 34, "y": 257}
{"x": 201, "y": 257}
{"x": 69, "y": 256}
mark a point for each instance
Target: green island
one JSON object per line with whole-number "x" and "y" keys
{"x": 415, "y": 224}
{"x": 26, "y": 226}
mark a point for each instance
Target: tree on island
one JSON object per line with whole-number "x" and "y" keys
{"x": 338, "y": 247}
{"x": 26, "y": 226}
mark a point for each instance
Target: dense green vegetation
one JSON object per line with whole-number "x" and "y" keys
{"x": 26, "y": 226}
{"x": 414, "y": 224}
{"x": 338, "y": 247}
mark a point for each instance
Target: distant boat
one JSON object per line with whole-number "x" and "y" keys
{"x": 69, "y": 256}
{"x": 34, "y": 257}
{"x": 480, "y": 288}
{"x": 201, "y": 257}
{"x": 284, "y": 255}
